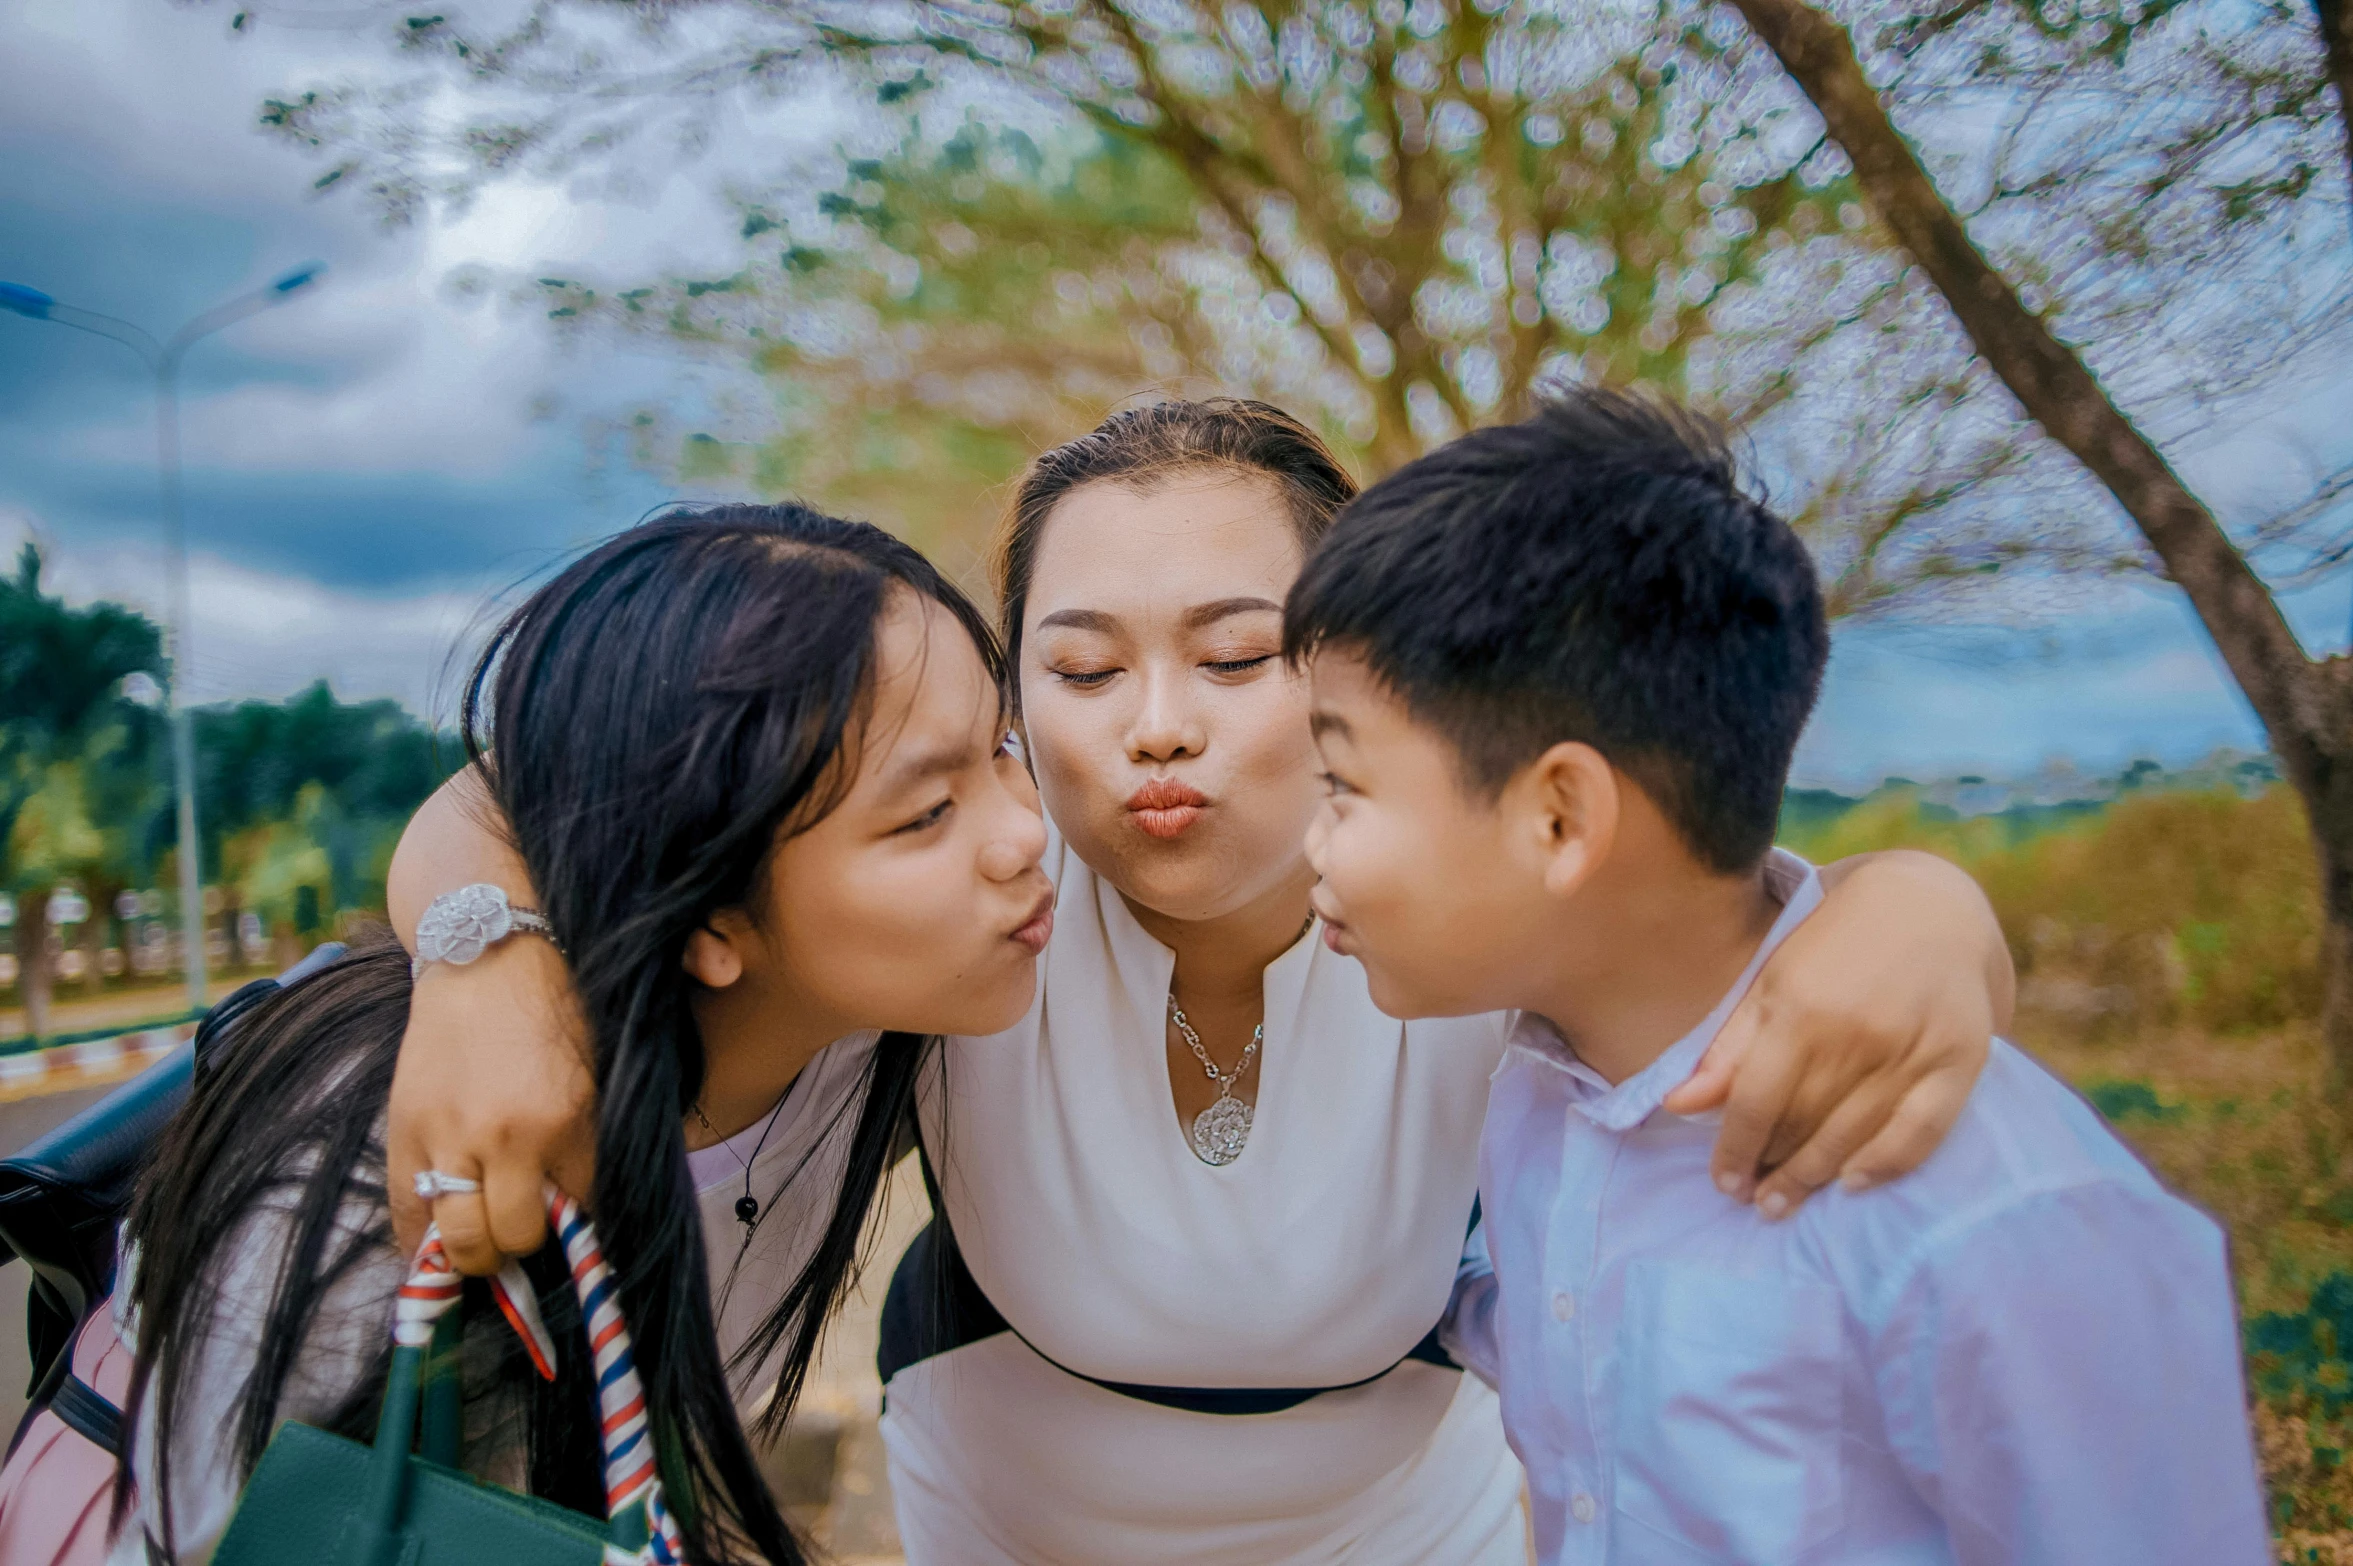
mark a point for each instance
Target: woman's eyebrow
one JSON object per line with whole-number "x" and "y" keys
{"x": 1210, "y": 613}
{"x": 1079, "y": 620}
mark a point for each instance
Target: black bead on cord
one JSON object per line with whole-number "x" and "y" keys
{"x": 747, "y": 1206}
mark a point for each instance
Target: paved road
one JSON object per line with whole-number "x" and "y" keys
{"x": 20, "y": 1123}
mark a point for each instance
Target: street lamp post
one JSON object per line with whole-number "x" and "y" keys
{"x": 164, "y": 360}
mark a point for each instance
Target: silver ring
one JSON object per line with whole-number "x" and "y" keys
{"x": 432, "y": 1185}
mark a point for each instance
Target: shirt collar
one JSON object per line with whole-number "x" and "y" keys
{"x": 1798, "y": 887}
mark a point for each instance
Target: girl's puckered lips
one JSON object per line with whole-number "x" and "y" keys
{"x": 1038, "y": 928}
{"x": 1163, "y": 807}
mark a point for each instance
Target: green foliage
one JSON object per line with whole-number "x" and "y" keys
{"x": 2128, "y": 1099}
{"x": 305, "y": 798}
{"x": 302, "y": 800}
{"x": 70, "y": 746}
{"x": 2164, "y": 907}
{"x": 2307, "y": 1354}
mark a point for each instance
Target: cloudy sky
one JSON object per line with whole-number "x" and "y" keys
{"x": 373, "y": 463}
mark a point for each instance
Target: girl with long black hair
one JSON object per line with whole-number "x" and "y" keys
{"x": 753, "y": 758}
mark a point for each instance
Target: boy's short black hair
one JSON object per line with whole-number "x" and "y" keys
{"x": 1592, "y": 573}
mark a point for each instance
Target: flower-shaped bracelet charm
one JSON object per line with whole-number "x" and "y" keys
{"x": 458, "y": 927}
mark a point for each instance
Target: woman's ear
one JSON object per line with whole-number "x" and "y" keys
{"x": 1569, "y": 807}
{"x": 715, "y": 954}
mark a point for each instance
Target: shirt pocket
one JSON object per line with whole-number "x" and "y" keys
{"x": 1729, "y": 1412}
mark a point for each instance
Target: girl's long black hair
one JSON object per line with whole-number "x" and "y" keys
{"x": 662, "y": 711}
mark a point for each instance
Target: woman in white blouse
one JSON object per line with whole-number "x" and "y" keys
{"x": 1202, "y": 1208}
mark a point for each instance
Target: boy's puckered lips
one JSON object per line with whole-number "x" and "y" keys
{"x": 1163, "y": 807}
{"x": 1335, "y": 931}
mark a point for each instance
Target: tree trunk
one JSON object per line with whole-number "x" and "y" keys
{"x": 94, "y": 932}
{"x": 33, "y": 972}
{"x": 2306, "y": 707}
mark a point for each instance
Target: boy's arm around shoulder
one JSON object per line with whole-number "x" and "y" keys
{"x": 2060, "y": 1378}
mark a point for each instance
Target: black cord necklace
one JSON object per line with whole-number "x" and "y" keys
{"x": 747, "y": 1206}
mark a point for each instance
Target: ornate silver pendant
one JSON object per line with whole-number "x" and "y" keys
{"x": 1220, "y": 1130}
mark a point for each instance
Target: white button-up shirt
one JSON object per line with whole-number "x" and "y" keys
{"x": 2023, "y": 1353}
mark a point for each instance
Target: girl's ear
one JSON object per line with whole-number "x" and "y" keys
{"x": 714, "y": 955}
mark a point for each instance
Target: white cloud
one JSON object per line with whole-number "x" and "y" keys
{"x": 257, "y": 634}
{"x": 394, "y": 372}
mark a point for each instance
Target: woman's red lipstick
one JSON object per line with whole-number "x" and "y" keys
{"x": 1164, "y": 807}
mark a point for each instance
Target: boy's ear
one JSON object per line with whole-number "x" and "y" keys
{"x": 1569, "y": 807}
{"x": 717, "y": 954}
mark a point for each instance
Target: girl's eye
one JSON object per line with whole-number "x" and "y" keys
{"x": 1084, "y": 679}
{"x": 930, "y": 818}
{"x": 1238, "y": 665}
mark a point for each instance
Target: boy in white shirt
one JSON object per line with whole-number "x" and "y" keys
{"x": 1559, "y": 671}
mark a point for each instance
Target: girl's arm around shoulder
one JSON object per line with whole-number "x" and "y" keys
{"x": 1853, "y": 1054}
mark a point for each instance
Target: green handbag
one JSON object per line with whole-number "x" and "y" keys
{"x": 317, "y": 1499}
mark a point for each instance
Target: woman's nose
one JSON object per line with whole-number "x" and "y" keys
{"x": 1167, "y": 723}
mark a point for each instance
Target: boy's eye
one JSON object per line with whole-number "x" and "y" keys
{"x": 1335, "y": 786}
{"x": 1237, "y": 665}
{"x": 930, "y": 818}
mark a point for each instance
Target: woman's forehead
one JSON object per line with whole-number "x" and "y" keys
{"x": 1216, "y": 533}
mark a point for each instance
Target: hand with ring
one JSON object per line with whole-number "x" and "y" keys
{"x": 432, "y": 1185}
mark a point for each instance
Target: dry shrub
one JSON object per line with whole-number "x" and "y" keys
{"x": 2164, "y": 909}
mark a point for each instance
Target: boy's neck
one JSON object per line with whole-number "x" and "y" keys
{"x": 1655, "y": 948}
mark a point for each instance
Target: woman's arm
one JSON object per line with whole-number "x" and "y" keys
{"x": 493, "y": 1081}
{"x": 1863, "y": 1036}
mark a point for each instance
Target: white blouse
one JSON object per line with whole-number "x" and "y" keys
{"x": 1318, "y": 1258}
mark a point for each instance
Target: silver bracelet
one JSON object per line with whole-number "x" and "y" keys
{"x": 458, "y": 927}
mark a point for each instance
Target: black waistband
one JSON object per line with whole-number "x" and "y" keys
{"x": 934, "y": 1305}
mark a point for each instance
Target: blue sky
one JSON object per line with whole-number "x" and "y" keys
{"x": 373, "y": 463}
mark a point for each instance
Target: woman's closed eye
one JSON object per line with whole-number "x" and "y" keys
{"x": 1084, "y": 679}
{"x": 1241, "y": 665}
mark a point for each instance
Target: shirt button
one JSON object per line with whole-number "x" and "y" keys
{"x": 1564, "y": 1307}
{"x": 1581, "y": 1507}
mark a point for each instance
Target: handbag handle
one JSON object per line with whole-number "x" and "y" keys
{"x": 634, "y": 1505}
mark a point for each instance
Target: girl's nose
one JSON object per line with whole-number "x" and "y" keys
{"x": 1017, "y": 841}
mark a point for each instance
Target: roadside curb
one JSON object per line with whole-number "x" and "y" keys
{"x": 89, "y": 1062}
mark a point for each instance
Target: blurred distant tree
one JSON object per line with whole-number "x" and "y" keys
{"x": 311, "y": 792}
{"x": 1392, "y": 218}
{"x": 2201, "y": 174}
{"x": 2125, "y": 219}
{"x": 62, "y": 718}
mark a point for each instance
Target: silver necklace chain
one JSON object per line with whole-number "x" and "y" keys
{"x": 1221, "y": 1130}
